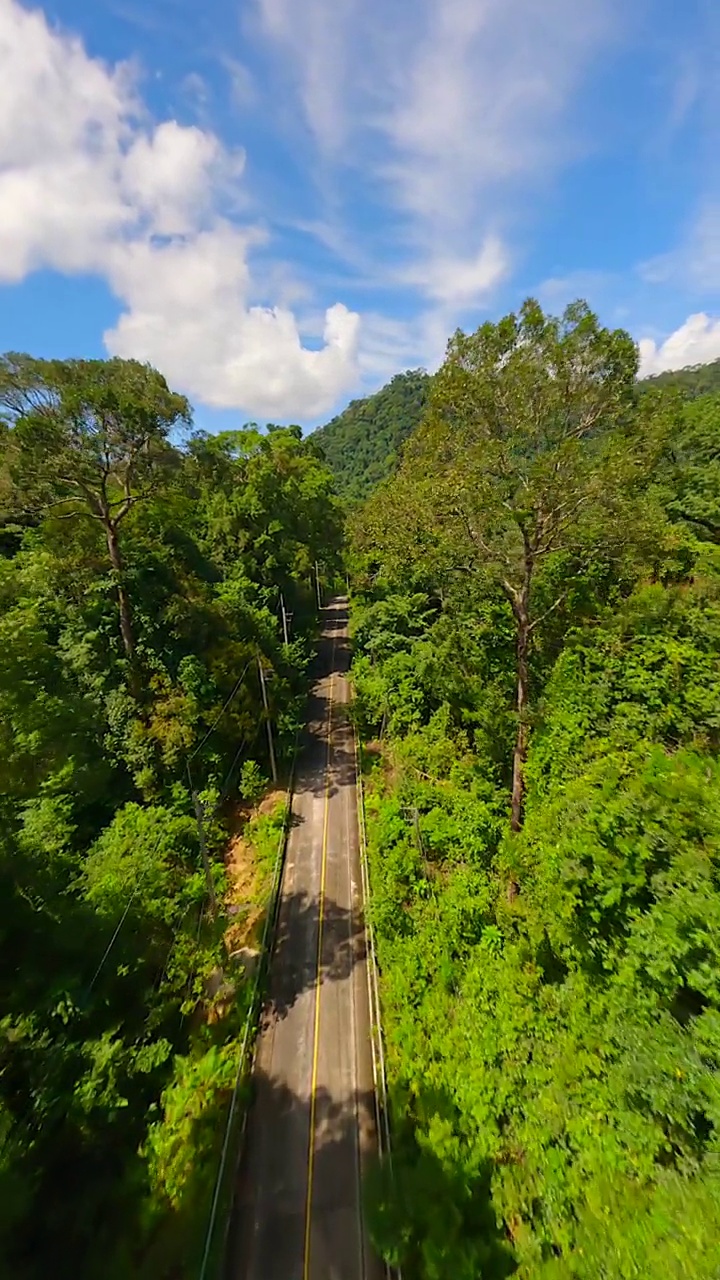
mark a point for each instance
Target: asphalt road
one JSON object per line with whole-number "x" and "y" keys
{"x": 297, "y": 1212}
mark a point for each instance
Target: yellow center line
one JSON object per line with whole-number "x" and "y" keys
{"x": 316, "y": 1038}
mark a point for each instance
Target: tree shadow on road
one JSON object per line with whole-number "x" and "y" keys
{"x": 294, "y": 967}
{"x": 314, "y": 761}
{"x": 267, "y": 1238}
{"x": 429, "y": 1216}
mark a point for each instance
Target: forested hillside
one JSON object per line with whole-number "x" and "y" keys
{"x": 139, "y": 588}
{"x": 362, "y": 445}
{"x": 695, "y": 380}
{"x": 537, "y": 632}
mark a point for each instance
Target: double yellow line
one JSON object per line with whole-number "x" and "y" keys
{"x": 318, "y": 964}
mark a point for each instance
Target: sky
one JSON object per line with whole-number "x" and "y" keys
{"x": 282, "y": 203}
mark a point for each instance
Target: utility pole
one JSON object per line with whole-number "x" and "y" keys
{"x": 203, "y": 846}
{"x": 317, "y": 585}
{"x": 284, "y": 620}
{"x": 273, "y": 765}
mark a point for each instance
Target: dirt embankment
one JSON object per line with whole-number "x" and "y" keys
{"x": 248, "y": 883}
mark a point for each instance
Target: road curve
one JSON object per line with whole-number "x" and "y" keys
{"x": 297, "y": 1211}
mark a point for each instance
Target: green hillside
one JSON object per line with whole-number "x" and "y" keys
{"x": 694, "y": 380}
{"x": 361, "y": 445}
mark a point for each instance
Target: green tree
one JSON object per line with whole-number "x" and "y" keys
{"x": 528, "y": 454}
{"x": 89, "y": 438}
{"x": 691, "y": 464}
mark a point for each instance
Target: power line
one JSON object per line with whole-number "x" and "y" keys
{"x": 273, "y": 765}
{"x": 225, "y": 789}
{"x": 111, "y": 943}
{"x": 220, "y": 714}
{"x": 138, "y": 886}
{"x": 193, "y": 971}
{"x": 181, "y": 921}
{"x": 200, "y": 814}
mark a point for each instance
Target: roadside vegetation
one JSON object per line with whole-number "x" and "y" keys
{"x": 537, "y": 631}
{"x": 533, "y": 539}
{"x": 141, "y": 570}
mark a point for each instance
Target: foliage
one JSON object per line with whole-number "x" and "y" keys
{"x": 362, "y": 446}
{"x": 253, "y": 782}
{"x": 553, "y": 1052}
{"x": 115, "y": 1062}
{"x": 693, "y": 380}
{"x": 529, "y": 455}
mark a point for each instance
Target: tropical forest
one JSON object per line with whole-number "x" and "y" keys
{"x": 529, "y": 539}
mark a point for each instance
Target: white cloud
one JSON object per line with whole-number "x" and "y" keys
{"x": 697, "y": 341}
{"x": 696, "y": 260}
{"x": 445, "y": 102}
{"x": 458, "y": 282}
{"x": 483, "y": 98}
{"x": 243, "y": 89}
{"x": 88, "y": 183}
{"x": 240, "y": 355}
{"x": 170, "y": 174}
{"x": 557, "y": 291}
{"x": 320, "y": 38}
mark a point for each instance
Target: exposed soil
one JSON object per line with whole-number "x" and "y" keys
{"x": 245, "y": 898}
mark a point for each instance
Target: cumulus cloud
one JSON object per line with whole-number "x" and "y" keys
{"x": 240, "y": 355}
{"x": 89, "y": 183}
{"x": 697, "y": 341}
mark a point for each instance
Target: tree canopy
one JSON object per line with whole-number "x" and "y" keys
{"x": 552, "y": 1051}
{"x": 140, "y": 581}
{"x": 532, "y": 543}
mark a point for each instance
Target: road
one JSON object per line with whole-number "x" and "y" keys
{"x": 297, "y": 1211}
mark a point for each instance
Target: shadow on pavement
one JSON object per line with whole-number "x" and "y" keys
{"x": 267, "y": 1236}
{"x": 431, "y": 1210}
{"x": 294, "y": 965}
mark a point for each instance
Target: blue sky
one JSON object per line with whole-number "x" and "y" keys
{"x": 282, "y": 202}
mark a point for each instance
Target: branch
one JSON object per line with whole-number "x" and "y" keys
{"x": 81, "y": 509}
{"x": 512, "y": 594}
{"x": 563, "y": 596}
{"x": 701, "y": 520}
{"x": 125, "y": 504}
{"x": 561, "y": 525}
{"x": 48, "y": 508}
{"x": 478, "y": 540}
{"x": 91, "y": 498}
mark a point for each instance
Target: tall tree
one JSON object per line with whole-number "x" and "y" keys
{"x": 526, "y": 452}
{"x": 88, "y": 438}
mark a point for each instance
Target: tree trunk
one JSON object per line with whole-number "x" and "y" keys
{"x": 522, "y": 620}
{"x": 126, "y": 628}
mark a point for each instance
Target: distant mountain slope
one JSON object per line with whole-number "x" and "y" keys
{"x": 694, "y": 380}
{"x": 361, "y": 445}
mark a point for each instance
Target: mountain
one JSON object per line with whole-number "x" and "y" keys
{"x": 694, "y": 380}
{"x": 361, "y": 445}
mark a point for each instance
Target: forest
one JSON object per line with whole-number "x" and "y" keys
{"x": 363, "y": 444}
{"x": 537, "y": 631}
{"x": 532, "y": 540}
{"x": 142, "y": 567}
